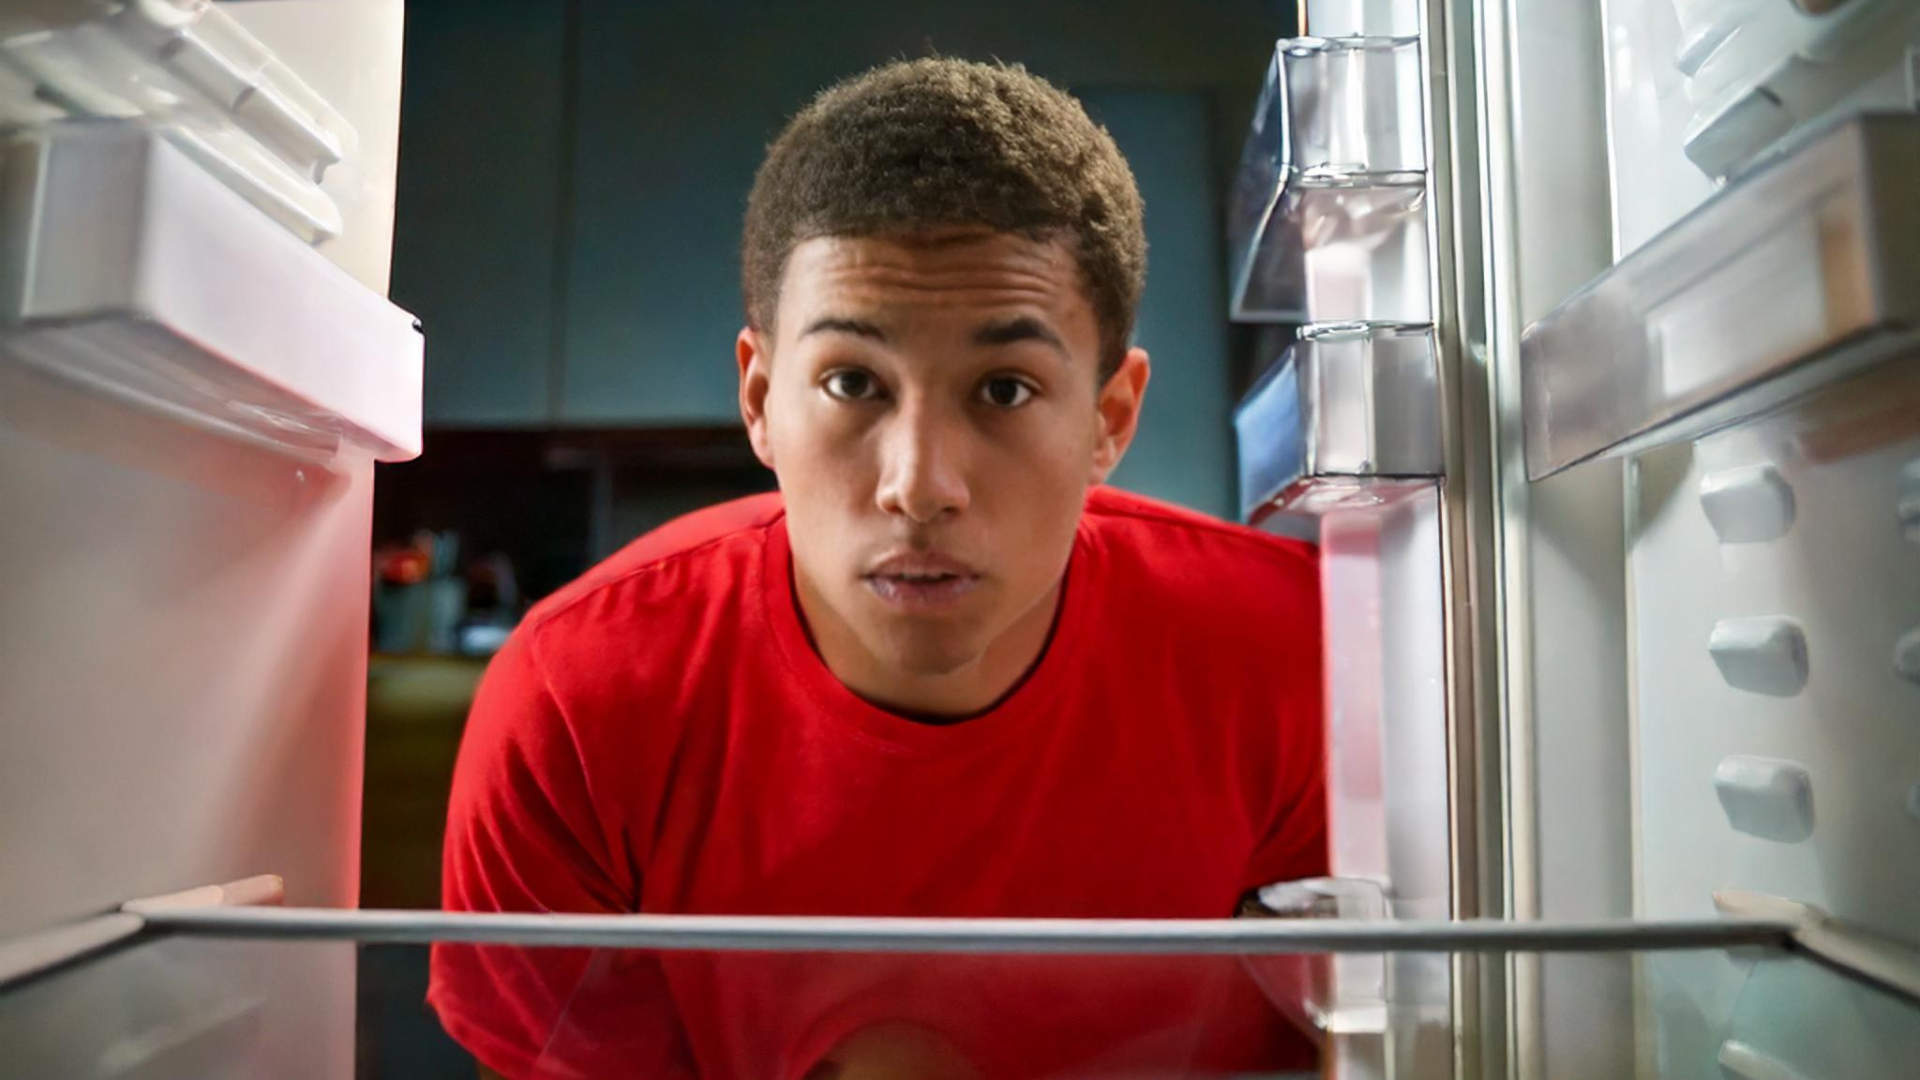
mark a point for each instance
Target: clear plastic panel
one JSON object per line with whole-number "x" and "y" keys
{"x": 1328, "y": 212}
{"x": 1346, "y": 400}
{"x": 1263, "y": 242}
{"x": 1387, "y": 792}
{"x": 1797, "y": 276}
{"x": 1365, "y": 253}
{"x": 1353, "y": 108}
{"x": 1386, "y": 753}
{"x": 1344, "y": 994}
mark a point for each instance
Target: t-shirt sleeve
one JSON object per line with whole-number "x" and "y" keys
{"x": 1294, "y": 843}
{"x": 524, "y": 835}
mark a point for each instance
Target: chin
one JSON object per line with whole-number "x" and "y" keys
{"x": 929, "y": 654}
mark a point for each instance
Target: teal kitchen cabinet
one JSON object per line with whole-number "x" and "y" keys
{"x": 478, "y": 208}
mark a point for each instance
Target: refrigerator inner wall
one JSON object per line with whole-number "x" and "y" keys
{"x": 182, "y": 682}
{"x": 1775, "y": 591}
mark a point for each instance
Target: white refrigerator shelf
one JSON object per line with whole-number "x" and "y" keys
{"x": 128, "y": 270}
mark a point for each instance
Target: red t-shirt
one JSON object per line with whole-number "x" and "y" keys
{"x": 660, "y": 736}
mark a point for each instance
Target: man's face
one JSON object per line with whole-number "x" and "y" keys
{"x": 933, "y": 411}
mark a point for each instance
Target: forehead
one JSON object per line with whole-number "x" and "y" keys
{"x": 951, "y": 271}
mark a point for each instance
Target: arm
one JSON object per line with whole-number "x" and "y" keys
{"x": 524, "y": 834}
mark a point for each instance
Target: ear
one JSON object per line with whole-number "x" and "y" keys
{"x": 756, "y": 379}
{"x": 1119, "y": 408}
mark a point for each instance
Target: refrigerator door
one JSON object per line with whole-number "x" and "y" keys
{"x": 191, "y": 404}
{"x": 1701, "y": 387}
{"x": 1682, "y": 248}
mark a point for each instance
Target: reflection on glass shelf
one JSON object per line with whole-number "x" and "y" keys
{"x": 1344, "y": 994}
{"x": 197, "y": 1007}
{"x": 183, "y": 1009}
{"x": 1740, "y": 1016}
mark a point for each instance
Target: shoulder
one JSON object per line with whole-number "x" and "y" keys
{"x": 592, "y": 691}
{"x": 1190, "y": 562}
{"x": 702, "y": 552}
{"x": 628, "y": 632}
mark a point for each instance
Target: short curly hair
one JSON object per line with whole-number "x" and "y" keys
{"x": 920, "y": 144}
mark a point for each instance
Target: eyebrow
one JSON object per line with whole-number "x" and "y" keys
{"x": 838, "y": 325}
{"x": 999, "y": 332}
{"x": 1017, "y": 329}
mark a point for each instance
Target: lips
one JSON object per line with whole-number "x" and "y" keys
{"x": 921, "y": 581}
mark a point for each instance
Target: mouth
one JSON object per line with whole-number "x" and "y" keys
{"x": 921, "y": 582}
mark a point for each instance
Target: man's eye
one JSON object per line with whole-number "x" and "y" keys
{"x": 1006, "y": 392}
{"x": 852, "y": 385}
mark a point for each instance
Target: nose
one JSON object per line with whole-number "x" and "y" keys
{"x": 922, "y": 474}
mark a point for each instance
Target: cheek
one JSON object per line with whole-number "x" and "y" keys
{"x": 821, "y": 459}
{"x": 1051, "y": 450}
{"x": 1040, "y": 481}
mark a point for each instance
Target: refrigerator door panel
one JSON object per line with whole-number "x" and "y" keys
{"x": 191, "y": 404}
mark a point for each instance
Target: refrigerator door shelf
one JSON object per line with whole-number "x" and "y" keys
{"x": 191, "y": 70}
{"x": 1795, "y": 277}
{"x": 1351, "y": 104}
{"x": 1349, "y": 416}
{"x": 1327, "y": 220}
{"x": 1338, "y": 247}
{"x": 128, "y": 270}
{"x": 1781, "y": 68}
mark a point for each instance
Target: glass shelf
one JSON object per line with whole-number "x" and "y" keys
{"x": 227, "y": 994}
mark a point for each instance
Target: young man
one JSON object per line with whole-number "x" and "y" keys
{"x": 943, "y": 672}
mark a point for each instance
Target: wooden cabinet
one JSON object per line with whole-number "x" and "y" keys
{"x": 416, "y": 709}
